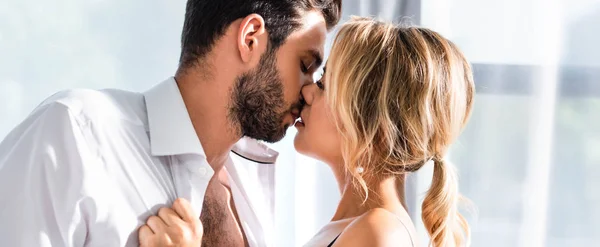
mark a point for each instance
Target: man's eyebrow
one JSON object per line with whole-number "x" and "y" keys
{"x": 318, "y": 58}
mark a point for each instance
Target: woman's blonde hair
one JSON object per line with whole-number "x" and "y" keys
{"x": 400, "y": 96}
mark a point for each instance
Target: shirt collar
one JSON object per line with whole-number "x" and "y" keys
{"x": 255, "y": 151}
{"x": 171, "y": 129}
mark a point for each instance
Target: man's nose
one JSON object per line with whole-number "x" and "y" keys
{"x": 307, "y": 80}
{"x": 307, "y": 93}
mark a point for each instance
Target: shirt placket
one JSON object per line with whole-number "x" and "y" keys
{"x": 191, "y": 177}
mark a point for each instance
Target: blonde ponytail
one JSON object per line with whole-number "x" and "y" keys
{"x": 445, "y": 225}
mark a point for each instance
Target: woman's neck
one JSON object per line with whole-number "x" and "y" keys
{"x": 385, "y": 193}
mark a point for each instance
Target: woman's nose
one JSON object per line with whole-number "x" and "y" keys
{"x": 307, "y": 93}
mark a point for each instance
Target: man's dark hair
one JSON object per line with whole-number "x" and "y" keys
{"x": 207, "y": 20}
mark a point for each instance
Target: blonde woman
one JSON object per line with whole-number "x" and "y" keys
{"x": 391, "y": 99}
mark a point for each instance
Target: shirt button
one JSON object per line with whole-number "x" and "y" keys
{"x": 202, "y": 171}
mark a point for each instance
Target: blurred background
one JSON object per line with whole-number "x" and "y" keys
{"x": 529, "y": 158}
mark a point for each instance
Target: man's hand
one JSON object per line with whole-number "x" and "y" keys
{"x": 176, "y": 227}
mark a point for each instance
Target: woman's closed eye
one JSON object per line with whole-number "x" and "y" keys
{"x": 320, "y": 81}
{"x": 320, "y": 84}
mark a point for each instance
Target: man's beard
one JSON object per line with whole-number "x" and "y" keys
{"x": 257, "y": 105}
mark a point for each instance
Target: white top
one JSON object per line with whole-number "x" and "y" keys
{"x": 87, "y": 168}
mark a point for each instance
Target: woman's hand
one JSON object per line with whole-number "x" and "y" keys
{"x": 176, "y": 227}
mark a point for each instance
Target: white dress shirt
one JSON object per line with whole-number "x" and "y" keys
{"x": 87, "y": 168}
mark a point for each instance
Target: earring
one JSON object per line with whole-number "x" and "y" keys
{"x": 360, "y": 169}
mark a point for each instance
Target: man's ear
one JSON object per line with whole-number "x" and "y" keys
{"x": 249, "y": 39}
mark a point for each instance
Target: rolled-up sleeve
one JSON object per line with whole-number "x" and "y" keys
{"x": 42, "y": 202}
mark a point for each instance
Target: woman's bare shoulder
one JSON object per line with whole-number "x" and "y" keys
{"x": 379, "y": 228}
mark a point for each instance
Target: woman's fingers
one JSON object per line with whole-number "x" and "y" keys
{"x": 185, "y": 211}
{"x": 144, "y": 235}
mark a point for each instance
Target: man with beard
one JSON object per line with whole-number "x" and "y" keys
{"x": 88, "y": 168}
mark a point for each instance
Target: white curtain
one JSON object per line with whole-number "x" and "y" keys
{"x": 529, "y": 158}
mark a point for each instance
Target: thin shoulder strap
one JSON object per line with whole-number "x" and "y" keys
{"x": 410, "y": 233}
{"x": 331, "y": 244}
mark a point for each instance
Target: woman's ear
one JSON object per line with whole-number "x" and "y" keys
{"x": 250, "y": 45}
